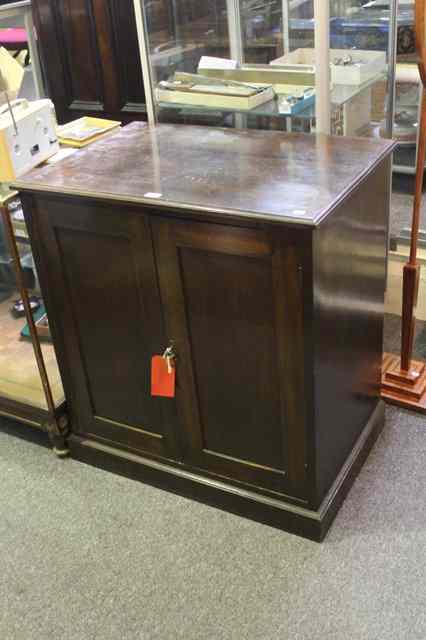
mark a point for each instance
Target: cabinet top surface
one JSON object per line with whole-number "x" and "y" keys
{"x": 258, "y": 174}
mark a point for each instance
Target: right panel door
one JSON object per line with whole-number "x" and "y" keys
{"x": 234, "y": 310}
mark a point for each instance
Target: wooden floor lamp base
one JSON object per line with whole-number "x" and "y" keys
{"x": 406, "y": 389}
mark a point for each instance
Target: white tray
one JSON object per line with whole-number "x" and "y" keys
{"x": 367, "y": 64}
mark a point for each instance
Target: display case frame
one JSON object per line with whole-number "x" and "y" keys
{"x": 23, "y": 10}
{"x": 405, "y": 157}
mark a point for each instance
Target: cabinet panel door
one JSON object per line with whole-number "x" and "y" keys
{"x": 233, "y": 307}
{"x": 91, "y": 57}
{"x": 105, "y": 299}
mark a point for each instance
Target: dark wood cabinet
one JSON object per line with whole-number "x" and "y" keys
{"x": 90, "y": 58}
{"x": 196, "y": 237}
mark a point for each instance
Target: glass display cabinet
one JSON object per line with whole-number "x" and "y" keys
{"x": 30, "y": 384}
{"x": 301, "y": 65}
{"x": 407, "y": 92}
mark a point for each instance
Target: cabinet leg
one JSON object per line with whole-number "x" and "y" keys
{"x": 57, "y": 430}
{"x": 60, "y": 447}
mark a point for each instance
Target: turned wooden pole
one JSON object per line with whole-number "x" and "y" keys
{"x": 411, "y": 275}
{"x": 412, "y": 268}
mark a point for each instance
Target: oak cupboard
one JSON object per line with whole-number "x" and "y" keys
{"x": 269, "y": 286}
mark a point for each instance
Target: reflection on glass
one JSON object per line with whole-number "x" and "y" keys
{"x": 360, "y": 33}
{"x": 272, "y": 29}
{"x": 225, "y": 42}
{"x": 181, "y": 31}
{"x": 407, "y": 90}
{"x": 271, "y": 43}
{"x": 274, "y": 33}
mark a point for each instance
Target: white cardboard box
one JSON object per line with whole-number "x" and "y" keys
{"x": 368, "y": 64}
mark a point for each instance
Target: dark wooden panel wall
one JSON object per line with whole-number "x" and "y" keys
{"x": 90, "y": 57}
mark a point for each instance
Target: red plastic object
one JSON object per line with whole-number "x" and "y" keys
{"x": 163, "y": 378}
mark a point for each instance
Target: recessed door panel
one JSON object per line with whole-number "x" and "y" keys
{"x": 90, "y": 57}
{"x": 230, "y": 316}
{"x": 105, "y": 282}
{"x": 233, "y": 306}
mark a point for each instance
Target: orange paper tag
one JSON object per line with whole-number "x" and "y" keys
{"x": 163, "y": 378}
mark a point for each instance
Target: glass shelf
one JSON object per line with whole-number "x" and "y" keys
{"x": 268, "y": 109}
{"x": 341, "y": 94}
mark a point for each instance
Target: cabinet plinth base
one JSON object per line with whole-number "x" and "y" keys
{"x": 406, "y": 389}
{"x": 309, "y": 523}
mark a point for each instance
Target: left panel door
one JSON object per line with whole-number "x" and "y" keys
{"x": 104, "y": 302}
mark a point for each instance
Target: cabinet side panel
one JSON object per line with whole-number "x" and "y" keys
{"x": 350, "y": 251}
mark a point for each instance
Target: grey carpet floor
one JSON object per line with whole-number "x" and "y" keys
{"x": 392, "y": 336}
{"x": 87, "y": 555}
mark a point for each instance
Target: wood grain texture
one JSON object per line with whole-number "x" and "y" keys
{"x": 131, "y": 92}
{"x": 77, "y": 30}
{"x": 250, "y": 174}
{"x": 90, "y": 57}
{"x": 350, "y": 255}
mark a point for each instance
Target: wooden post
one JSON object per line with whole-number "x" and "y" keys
{"x": 404, "y": 379}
